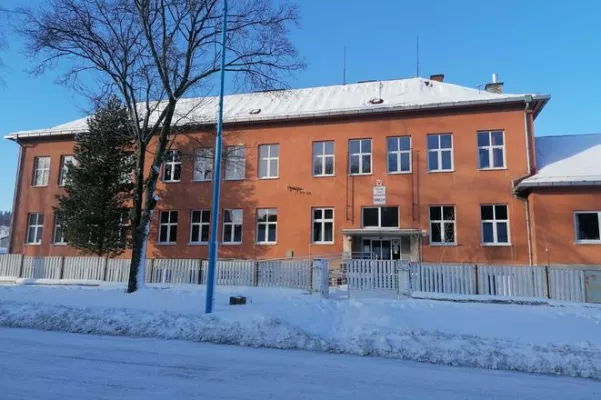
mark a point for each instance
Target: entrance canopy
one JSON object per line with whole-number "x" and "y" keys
{"x": 389, "y": 232}
{"x": 383, "y": 243}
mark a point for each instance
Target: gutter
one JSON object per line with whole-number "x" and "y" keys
{"x": 524, "y": 185}
{"x": 16, "y": 196}
{"x": 311, "y": 115}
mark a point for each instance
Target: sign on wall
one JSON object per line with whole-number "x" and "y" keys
{"x": 379, "y": 195}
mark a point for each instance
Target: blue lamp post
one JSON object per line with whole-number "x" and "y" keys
{"x": 213, "y": 243}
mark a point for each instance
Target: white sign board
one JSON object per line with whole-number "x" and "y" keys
{"x": 379, "y": 195}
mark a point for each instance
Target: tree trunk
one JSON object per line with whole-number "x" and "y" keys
{"x": 138, "y": 237}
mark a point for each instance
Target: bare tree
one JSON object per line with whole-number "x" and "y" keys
{"x": 153, "y": 53}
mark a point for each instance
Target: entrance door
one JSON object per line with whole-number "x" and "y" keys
{"x": 379, "y": 249}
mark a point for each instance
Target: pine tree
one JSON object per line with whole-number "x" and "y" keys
{"x": 93, "y": 212}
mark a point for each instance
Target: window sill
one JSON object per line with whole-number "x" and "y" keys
{"x": 233, "y": 179}
{"x": 198, "y": 243}
{"x": 266, "y": 243}
{"x": 589, "y": 242}
{"x": 495, "y": 244}
{"x": 33, "y": 244}
{"x": 267, "y": 178}
{"x": 166, "y": 243}
{"x": 441, "y": 171}
{"x": 399, "y": 173}
{"x": 362, "y": 174}
{"x": 324, "y": 176}
{"x": 59, "y": 244}
{"x": 443, "y": 244}
{"x": 322, "y": 243}
{"x": 493, "y": 169}
{"x": 171, "y": 181}
{"x": 231, "y": 243}
{"x": 39, "y": 186}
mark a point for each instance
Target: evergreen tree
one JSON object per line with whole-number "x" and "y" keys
{"x": 93, "y": 212}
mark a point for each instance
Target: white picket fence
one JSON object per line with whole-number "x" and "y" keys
{"x": 381, "y": 278}
{"x": 280, "y": 273}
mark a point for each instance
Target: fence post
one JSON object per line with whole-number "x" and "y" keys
{"x": 105, "y": 269}
{"x": 150, "y": 270}
{"x": 256, "y": 273}
{"x": 548, "y": 280}
{"x": 199, "y": 272}
{"x": 477, "y": 279}
{"x": 61, "y": 271}
{"x": 21, "y": 265}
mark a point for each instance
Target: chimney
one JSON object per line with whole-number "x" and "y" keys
{"x": 495, "y": 86}
{"x": 437, "y": 77}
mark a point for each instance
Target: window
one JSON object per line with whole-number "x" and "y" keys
{"x": 58, "y": 236}
{"x": 65, "y": 161}
{"x": 380, "y": 217}
{"x": 267, "y": 221}
{"x": 232, "y": 226}
{"x": 495, "y": 224}
{"x": 440, "y": 152}
{"x": 360, "y": 156}
{"x": 35, "y": 227}
{"x": 323, "y": 225}
{"x": 235, "y": 163}
{"x": 269, "y": 161}
{"x": 323, "y": 158}
{"x": 587, "y": 227}
{"x": 491, "y": 150}
{"x": 168, "y": 227}
{"x": 41, "y": 171}
{"x": 399, "y": 154}
{"x": 173, "y": 166}
{"x": 203, "y": 165}
{"x": 442, "y": 224}
{"x": 200, "y": 222}
{"x": 124, "y": 225}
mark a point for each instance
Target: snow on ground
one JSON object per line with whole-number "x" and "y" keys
{"x": 552, "y": 340}
{"x": 59, "y": 366}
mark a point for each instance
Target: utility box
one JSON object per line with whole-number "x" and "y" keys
{"x": 592, "y": 286}
{"x": 237, "y": 300}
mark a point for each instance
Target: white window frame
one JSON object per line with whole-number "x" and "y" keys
{"x": 201, "y": 225}
{"x": 235, "y": 155}
{"x": 494, "y": 222}
{"x": 323, "y": 221}
{"x": 37, "y": 226}
{"x": 58, "y": 225}
{"x": 586, "y": 241}
{"x": 233, "y": 224}
{"x": 441, "y": 223}
{"x": 268, "y": 160}
{"x": 439, "y": 150}
{"x": 41, "y": 175}
{"x": 267, "y": 223}
{"x": 490, "y": 148}
{"x": 170, "y": 162}
{"x": 322, "y": 157}
{"x": 360, "y": 154}
{"x": 167, "y": 224}
{"x": 203, "y": 165}
{"x": 398, "y": 154}
{"x": 62, "y": 176}
{"x": 398, "y": 209}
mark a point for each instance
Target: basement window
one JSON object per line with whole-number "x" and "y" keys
{"x": 587, "y": 227}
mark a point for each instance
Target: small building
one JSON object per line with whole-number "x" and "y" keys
{"x": 416, "y": 169}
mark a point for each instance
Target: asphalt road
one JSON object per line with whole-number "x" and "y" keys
{"x": 60, "y": 366}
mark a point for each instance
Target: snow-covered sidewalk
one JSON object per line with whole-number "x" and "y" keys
{"x": 552, "y": 340}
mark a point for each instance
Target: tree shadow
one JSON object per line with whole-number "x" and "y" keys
{"x": 190, "y": 194}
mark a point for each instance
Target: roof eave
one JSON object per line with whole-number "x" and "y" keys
{"x": 534, "y": 184}
{"x": 539, "y": 99}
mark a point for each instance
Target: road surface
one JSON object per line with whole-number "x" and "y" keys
{"x": 60, "y": 366}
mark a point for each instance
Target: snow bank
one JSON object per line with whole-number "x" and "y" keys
{"x": 539, "y": 339}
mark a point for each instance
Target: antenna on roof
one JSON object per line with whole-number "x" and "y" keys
{"x": 417, "y": 58}
{"x": 344, "y": 67}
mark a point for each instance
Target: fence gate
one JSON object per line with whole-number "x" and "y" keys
{"x": 372, "y": 278}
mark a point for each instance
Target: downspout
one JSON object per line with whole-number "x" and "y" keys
{"x": 528, "y": 230}
{"x": 15, "y": 197}
{"x": 527, "y": 133}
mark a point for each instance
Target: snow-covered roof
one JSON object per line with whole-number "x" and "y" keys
{"x": 351, "y": 99}
{"x": 567, "y": 160}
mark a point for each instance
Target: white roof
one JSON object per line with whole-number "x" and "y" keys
{"x": 397, "y": 95}
{"x": 566, "y": 161}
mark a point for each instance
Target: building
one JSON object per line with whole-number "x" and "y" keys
{"x": 416, "y": 168}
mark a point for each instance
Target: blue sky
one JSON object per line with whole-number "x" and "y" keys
{"x": 536, "y": 46}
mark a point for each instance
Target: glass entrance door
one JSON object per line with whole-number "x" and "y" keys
{"x": 379, "y": 249}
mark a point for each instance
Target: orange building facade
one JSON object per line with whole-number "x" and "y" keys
{"x": 435, "y": 183}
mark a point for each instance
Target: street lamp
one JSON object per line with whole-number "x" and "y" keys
{"x": 216, "y": 177}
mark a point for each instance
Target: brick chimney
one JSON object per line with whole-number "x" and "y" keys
{"x": 495, "y": 86}
{"x": 437, "y": 77}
